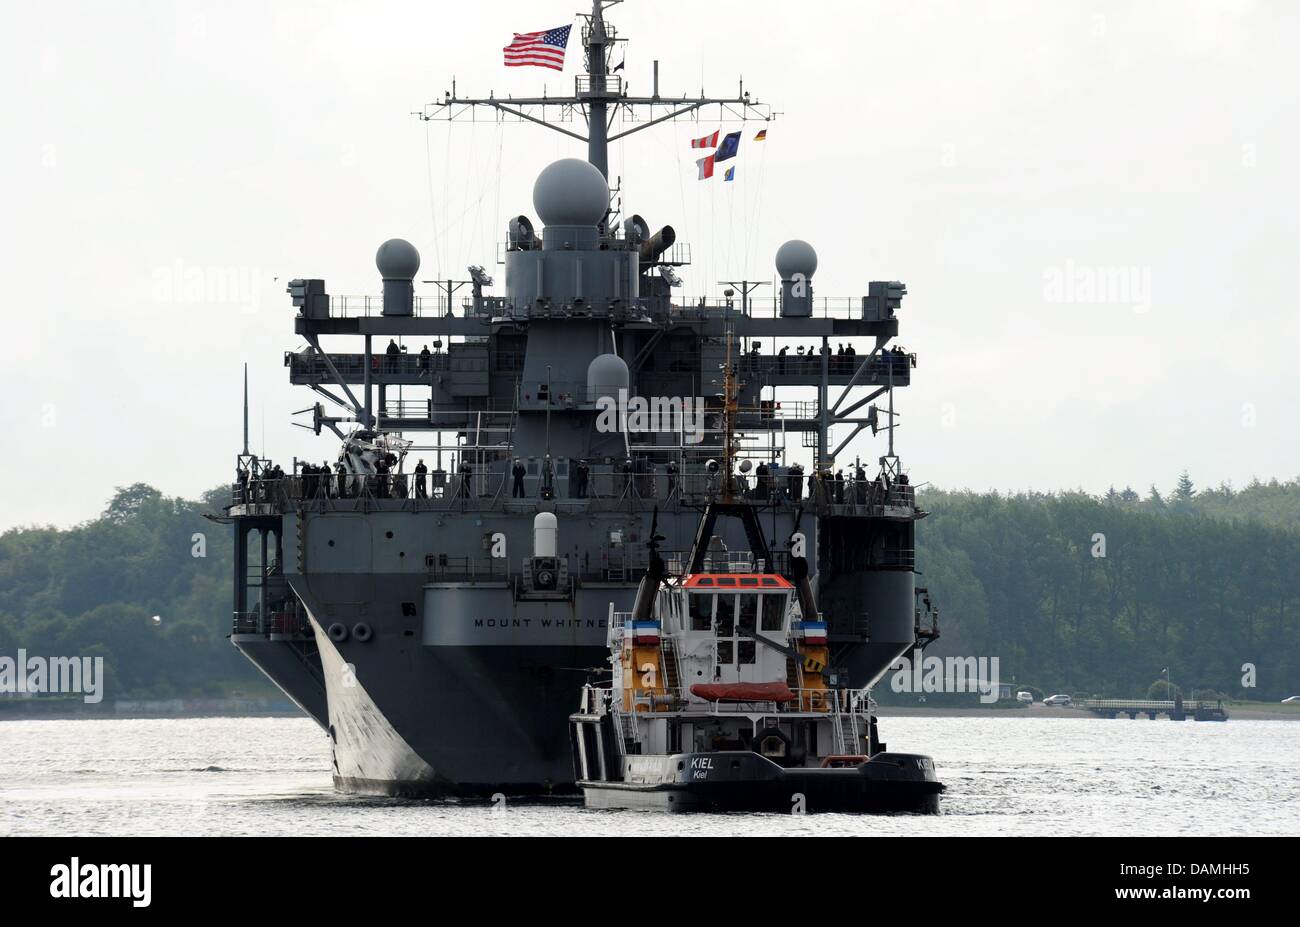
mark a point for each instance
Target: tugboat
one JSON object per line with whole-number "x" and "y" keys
{"x": 720, "y": 697}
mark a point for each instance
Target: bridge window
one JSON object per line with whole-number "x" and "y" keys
{"x": 726, "y": 616}
{"x": 701, "y": 612}
{"x": 736, "y": 620}
{"x": 749, "y": 613}
{"x": 774, "y": 612}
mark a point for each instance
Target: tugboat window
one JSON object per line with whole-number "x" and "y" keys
{"x": 773, "y": 612}
{"x": 725, "y": 630}
{"x": 749, "y": 613}
{"x": 701, "y": 612}
{"x": 726, "y": 616}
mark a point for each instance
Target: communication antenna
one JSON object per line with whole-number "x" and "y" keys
{"x": 245, "y": 408}
{"x": 599, "y": 95}
{"x": 728, "y": 421}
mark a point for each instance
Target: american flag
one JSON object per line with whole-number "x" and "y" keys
{"x": 543, "y": 49}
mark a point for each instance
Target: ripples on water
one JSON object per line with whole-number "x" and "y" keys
{"x": 1005, "y": 776}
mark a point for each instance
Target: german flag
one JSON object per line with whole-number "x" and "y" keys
{"x": 761, "y": 136}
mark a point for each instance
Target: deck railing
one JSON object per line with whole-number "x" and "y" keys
{"x": 436, "y": 305}
{"x": 854, "y": 702}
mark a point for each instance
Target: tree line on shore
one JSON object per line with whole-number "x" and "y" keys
{"x": 1072, "y": 592}
{"x": 1099, "y": 595}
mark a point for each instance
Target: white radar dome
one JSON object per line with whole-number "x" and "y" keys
{"x": 570, "y": 192}
{"x": 796, "y": 257}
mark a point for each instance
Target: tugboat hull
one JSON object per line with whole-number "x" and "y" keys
{"x": 746, "y": 781}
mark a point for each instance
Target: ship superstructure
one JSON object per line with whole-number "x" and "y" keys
{"x": 433, "y": 590}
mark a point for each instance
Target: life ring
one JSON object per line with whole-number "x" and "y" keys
{"x": 337, "y": 632}
{"x": 362, "y": 631}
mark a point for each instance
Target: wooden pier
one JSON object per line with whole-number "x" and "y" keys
{"x": 1175, "y": 710}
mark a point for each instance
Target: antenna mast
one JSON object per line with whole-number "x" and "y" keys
{"x": 599, "y": 95}
{"x": 245, "y": 409}
{"x": 729, "y": 410}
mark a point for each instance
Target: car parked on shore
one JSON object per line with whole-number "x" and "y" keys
{"x": 1025, "y": 698}
{"x": 1058, "y": 701}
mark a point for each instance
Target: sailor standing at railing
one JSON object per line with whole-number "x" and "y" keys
{"x": 518, "y": 471}
{"x": 626, "y": 473}
{"x": 465, "y": 472}
{"x": 795, "y": 482}
{"x": 904, "y": 490}
{"x": 421, "y": 492}
{"x": 583, "y": 472}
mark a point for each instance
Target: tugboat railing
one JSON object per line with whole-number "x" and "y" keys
{"x": 831, "y": 702}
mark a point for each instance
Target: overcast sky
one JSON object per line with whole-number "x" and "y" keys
{"x": 1094, "y": 207}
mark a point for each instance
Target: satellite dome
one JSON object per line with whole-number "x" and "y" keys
{"x": 571, "y": 192}
{"x": 606, "y": 375}
{"x": 796, "y": 257}
{"x": 397, "y": 259}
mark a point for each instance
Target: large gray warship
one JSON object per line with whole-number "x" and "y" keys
{"x": 434, "y": 595}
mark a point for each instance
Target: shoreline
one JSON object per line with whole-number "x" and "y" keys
{"x": 143, "y": 715}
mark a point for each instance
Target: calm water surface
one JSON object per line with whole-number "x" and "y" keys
{"x": 1005, "y": 776}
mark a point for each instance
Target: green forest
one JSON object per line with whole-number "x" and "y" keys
{"x": 96, "y": 589}
{"x": 1201, "y": 581}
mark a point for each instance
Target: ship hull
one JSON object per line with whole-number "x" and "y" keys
{"x": 743, "y": 781}
{"x": 435, "y": 703}
{"x": 422, "y": 722}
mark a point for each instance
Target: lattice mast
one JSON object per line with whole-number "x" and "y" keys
{"x": 600, "y": 96}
